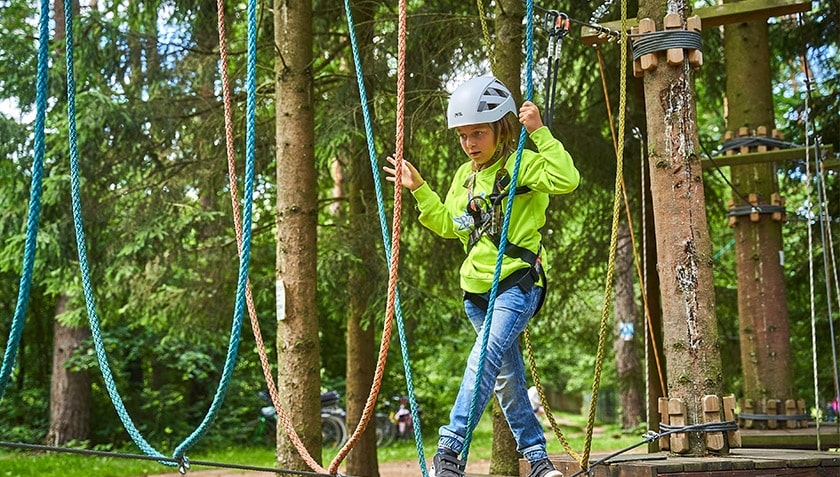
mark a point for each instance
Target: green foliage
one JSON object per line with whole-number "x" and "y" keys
{"x": 159, "y": 229}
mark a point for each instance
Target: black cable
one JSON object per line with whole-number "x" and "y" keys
{"x": 614, "y": 35}
{"x": 721, "y": 174}
{"x": 651, "y": 42}
{"x": 183, "y": 464}
{"x": 651, "y": 436}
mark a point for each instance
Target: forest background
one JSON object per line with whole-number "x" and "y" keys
{"x": 158, "y": 220}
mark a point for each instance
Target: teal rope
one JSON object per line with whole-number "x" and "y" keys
{"x": 723, "y": 250}
{"x": 239, "y": 309}
{"x": 34, "y": 201}
{"x": 523, "y": 135}
{"x": 80, "y": 244}
{"x": 96, "y": 332}
{"x": 415, "y": 416}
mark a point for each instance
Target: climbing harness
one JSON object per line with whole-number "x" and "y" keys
{"x": 494, "y": 289}
{"x": 486, "y": 213}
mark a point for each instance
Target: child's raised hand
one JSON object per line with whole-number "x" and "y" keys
{"x": 409, "y": 176}
{"x": 529, "y": 116}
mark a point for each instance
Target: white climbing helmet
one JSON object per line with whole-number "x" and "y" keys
{"x": 480, "y": 100}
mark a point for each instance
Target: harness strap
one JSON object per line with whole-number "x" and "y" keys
{"x": 525, "y": 278}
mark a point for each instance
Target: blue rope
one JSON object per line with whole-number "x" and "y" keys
{"x": 383, "y": 223}
{"x": 523, "y": 135}
{"x": 96, "y": 332}
{"x": 34, "y": 201}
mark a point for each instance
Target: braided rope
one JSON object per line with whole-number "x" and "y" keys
{"x": 93, "y": 319}
{"x": 96, "y": 332}
{"x": 485, "y": 31}
{"x": 602, "y": 334}
{"x": 245, "y": 254}
{"x": 523, "y": 136}
{"x": 636, "y": 259}
{"x": 369, "y": 410}
{"x": 30, "y": 247}
{"x": 282, "y": 414}
{"x": 532, "y": 364}
{"x": 418, "y": 438}
{"x": 619, "y": 174}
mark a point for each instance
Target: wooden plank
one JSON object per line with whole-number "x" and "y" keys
{"x": 717, "y": 15}
{"x": 778, "y": 155}
{"x": 676, "y": 412}
{"x": 711, "y": 413}
{"x": 734, "y": 437}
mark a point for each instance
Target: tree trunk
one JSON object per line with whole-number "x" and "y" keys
{"x": 654, "y": 352}
{"x": 682, "y": 239}
{"x": 507, "y": 50}
{"x": 628, "y": 365}
{"x": 505, "y": 458}
{"x": 762, "y": 305}
{"x": 298, "y": 349}
{"x": 361, "y": 226}
{"x": 70, "y": 390}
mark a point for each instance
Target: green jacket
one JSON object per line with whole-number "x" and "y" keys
{"x": 549, "y": 171}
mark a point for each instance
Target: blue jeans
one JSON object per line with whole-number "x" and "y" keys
{"x": 503, "y": 373}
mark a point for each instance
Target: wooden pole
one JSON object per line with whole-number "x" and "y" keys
{"x": 762, "y": 305}
{"x": 682, "y": 239}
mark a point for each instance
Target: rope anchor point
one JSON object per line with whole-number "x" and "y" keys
{"x": 183, "y": 464}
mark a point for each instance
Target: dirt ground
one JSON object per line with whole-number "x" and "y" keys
{"x": 390, "y": 469}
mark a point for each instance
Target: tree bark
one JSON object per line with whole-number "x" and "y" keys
{"x": 682, "y": 238}
{"x": 70, "y": 390}
{"x": 628, "y": 364}
{"x": 507, "y": 51}
{"x": 298, "y": 348}
{"x": 762, "y": 305}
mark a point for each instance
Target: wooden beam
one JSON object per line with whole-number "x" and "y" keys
{"x": 777, "y": 155}
{"x": 716, "y": 15}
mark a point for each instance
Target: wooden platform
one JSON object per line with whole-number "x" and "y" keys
{"x": 746, "y": 462}
{"x": 829, "y": 438}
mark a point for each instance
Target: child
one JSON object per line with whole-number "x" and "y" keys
{"x": 482, "y": 111}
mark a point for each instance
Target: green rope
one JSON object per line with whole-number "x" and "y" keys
{"x": 96, "y": 332}
{"x": 29, "y": 249}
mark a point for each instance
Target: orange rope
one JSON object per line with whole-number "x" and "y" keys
{"x": 282, "y": 415}
{"x": 368, "y": 412}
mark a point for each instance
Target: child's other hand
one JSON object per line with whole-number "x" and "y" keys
{"x": 529, "y": 116}
{"x": 409, "y": 176}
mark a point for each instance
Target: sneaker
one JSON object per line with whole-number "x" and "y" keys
{"x": 544, "y": 468}
{"x": 447, "y": 465}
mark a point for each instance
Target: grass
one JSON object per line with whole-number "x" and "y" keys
{"x": 25, "y": 464}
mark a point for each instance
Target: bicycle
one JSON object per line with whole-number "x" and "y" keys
{"x": 333, "y": 427}
{"x": 397, "y": 424}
